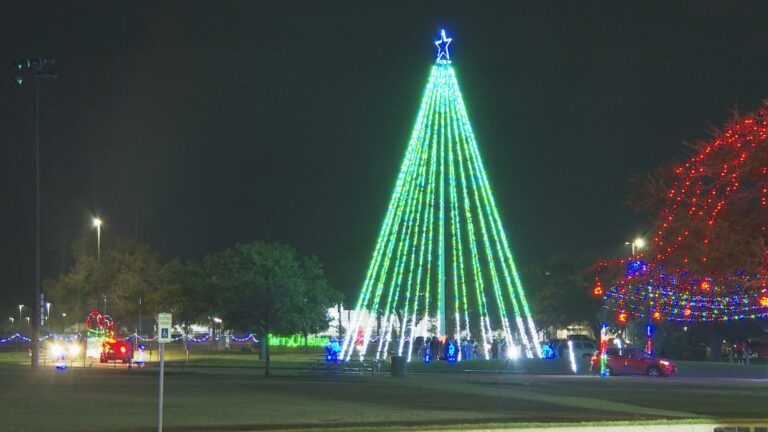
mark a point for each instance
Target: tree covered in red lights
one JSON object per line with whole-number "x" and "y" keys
{"x": 708, "y": 257}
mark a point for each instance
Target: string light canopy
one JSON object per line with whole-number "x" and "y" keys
{"x": 709, "y": 258}
{"x": 442, "y": 265}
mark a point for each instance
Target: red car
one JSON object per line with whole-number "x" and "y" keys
{"x": 116, "y": 349}
{"x": 634, "y": 362}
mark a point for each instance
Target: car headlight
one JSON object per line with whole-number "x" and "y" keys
{"x": 57, "y": 350}
{"x": 74, "y": 349}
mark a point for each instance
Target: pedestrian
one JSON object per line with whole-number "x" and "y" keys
{"x": 738, "y": 347}
{"x": 747, "y": 352}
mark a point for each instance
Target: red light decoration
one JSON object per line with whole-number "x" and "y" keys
{"x": 623, "y": 317}
{"x": 715, "y": 199}
{"x": 763, "y": 300}
{"x": 597, "y": 291}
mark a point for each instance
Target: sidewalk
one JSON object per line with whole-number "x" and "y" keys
{"x": 704, "y": 427}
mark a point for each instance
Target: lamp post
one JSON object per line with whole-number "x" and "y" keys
{"x": 48, "y": 315}
{"x": 636, "y": 244}
{"x": 97, "y": 223}
{"x": 21, "y": 307}
{"x": 38, "y": 70}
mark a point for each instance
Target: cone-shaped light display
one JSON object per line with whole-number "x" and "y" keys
{"x": 442, "y": 265}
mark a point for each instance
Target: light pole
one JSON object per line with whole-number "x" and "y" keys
{"x": 21, "y": 307}
{"x": 48, "y": 315}
{"x": 637, "y": 244}
{"x": 97, "y": 223}
{"x": 36, "y": 68}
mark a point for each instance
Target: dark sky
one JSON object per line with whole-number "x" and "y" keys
{"x": 223, "y": 122}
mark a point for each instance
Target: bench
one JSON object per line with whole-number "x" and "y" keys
{"x": 331, "y": 368}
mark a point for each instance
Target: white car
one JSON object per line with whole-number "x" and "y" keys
{"x": 581, "y": 348}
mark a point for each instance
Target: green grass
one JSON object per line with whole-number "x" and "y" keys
{"x": 240, "y": 398}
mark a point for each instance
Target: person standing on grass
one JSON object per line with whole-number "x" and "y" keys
{"x": 747, "y": 352}
{"x": 739, "y": 348}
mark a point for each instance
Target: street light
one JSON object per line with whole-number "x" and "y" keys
{"x": 637, "y": 244}
{"x": 21, "y": 306}
{"x": 39, "y": 70}
{"x": 97, "y": 223}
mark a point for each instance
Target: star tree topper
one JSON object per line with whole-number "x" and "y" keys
{"x": 443, "y": 56}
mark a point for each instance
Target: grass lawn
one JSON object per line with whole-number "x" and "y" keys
{"x": 240, "y": 398}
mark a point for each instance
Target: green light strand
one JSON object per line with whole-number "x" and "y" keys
{"x": 398, "y": 197}
{"x": 499, "y": 234}
{"x": 389, "y": 309}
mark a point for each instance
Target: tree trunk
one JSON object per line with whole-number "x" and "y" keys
{"x": 268, "y": 366}
{"x": 186, "y": 340}
{"x": 715, "y": 345}
{"x": 306, "y": 343}
{"x": 341, "y": 331}
{"x": 263, "y": 346}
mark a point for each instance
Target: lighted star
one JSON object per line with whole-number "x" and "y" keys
{"x": 443, "y": 56}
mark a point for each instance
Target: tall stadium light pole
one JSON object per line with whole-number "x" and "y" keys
{"x": 38, "y": 70}
{"x": 97, "y": 223}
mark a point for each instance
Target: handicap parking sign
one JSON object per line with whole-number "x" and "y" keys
{"x": 164, "y": 323}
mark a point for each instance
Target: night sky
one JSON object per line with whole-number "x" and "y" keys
{"x": 206, "y": 124}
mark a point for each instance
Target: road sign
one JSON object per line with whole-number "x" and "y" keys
{"x": 163, "y": 336}
{"x": 164, "y": 327}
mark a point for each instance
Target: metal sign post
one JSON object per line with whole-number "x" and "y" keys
{"x": 163, "y": 336}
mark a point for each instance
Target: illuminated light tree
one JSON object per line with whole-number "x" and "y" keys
{"x": 709, "y": 258}
{"x": 442, "y": 265}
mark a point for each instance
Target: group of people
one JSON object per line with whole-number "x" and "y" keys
{"x": 436, "y": 348}
{"x": 740, "y": 352}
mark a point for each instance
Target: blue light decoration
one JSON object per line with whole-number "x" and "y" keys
{"x": 332, "y": 351}
{"x": 443, "y": 56}
{"x": 547, "y": 352}
{"x": 139, "y": 356}
{"x": 427, "y": 354}
{"x": 635, "y": 268}
{"x": 451, "y": 351}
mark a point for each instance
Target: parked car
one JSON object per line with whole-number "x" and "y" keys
{"x": 634, "y": 362}
{"x": 116, "y": 349}
{"x": 581, "y": 348}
